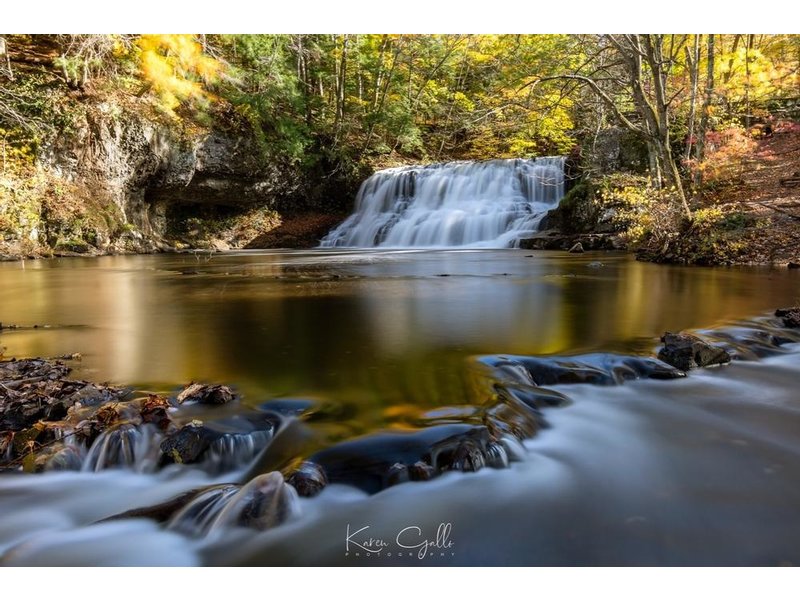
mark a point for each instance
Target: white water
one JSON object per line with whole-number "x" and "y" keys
{"x": 477, "y": 204}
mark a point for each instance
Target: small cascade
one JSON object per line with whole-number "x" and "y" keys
{"x": 264, "y": 502}
{"x": 460, "y": 204}
{"x": 125, "y": 446}
{"x": 201, "y": 512}
{"x": 234, "y": 450}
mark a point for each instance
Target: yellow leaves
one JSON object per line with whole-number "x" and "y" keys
{"x": 750, "y": 72}
{"x": 176, "y": 68}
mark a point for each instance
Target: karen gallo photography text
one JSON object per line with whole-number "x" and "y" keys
{"x": 409, "y": 541}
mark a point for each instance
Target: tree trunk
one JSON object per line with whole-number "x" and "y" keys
{"x": 693, "y": 62}
{"x": 700, "y": 147}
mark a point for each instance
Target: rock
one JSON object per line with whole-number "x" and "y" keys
{"x": 577, "y": 249}
{"x": 421, "y": 471}
{"x": 206, "y": 394}
{"x": 556, "y": 240}
{"x": 685, "y": 351}
{"x": 188, "y": 444}
{"x": 793, "y": 265}
{"x": 264, "y": 502}
{"x": 377, "y": 461}
{"x": 153, "y": 409}
{"x": 496, "y": 456}
{"x": 599, "y": 369}
{"x": 594, "y": 265}
{"x": 790, "y": 316}
{"x": 309, "y": 479}
{"x": 513, "y": 418}
{"x": 468, "y": 456}
{"x": 220, "y": 445}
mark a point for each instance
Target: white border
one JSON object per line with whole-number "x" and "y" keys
{"x": 394, "y": 16}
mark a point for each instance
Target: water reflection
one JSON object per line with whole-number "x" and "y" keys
{"x": 368, "y": 327}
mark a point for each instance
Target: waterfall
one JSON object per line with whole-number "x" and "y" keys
{"x": 479, "y": 204}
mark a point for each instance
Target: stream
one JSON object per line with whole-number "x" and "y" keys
{"x": 700, "y": 470}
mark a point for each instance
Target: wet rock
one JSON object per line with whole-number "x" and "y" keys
{"x": 789, "y": 316}
{"x": 153, "y": 410}
{"x": 793, "y": 265}
{"x": 397, "y": 473}
{"x": 371, "y": 462}
{"x": 206, "y": 394}
{"x": 496, "y": 456}
{"x": 162, "y": 512}
{"x": 513, "y": 418}
{"x": 752, "y": 342}
{"x": 264, "y": 502}
{"x": 535, "y": 398}
{"x": 309, "y": 479}
{"x": 577, "y": 249}
{"x": 421, "y": 471}
{"x": 595, "y": 265}
{"x": 220, "y": 445}
{"x": 599, "y": 369}
{"x": 468, "y": 456}
{"x": 557, "y": 240}
{"x": 36, "y": 389}
{"x": 188, "y": 444}
{"x": 32, "y": 368}
{"x": 685, "y": 351}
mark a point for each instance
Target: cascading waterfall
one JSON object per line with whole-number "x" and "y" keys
{"x": 479, "y": 204}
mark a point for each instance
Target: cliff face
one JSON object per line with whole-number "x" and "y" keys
{"x": 142, "y": 172}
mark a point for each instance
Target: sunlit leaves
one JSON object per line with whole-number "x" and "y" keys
{"x": 176, "y": 68}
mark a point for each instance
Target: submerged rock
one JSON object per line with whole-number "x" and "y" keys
{"x": 789, "y": 316}
{"x": 685, "y": 351}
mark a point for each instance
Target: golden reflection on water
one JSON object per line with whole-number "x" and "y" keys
{"x": 371, "y": 329}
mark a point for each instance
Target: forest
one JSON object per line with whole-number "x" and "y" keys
{"x": 685, "y": 119}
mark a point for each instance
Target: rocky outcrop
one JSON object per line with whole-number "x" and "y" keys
{"x": 138, "y": 168}
{"x": 557, "y": 240}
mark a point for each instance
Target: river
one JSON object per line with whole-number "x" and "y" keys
{"x": 701, "y": 470}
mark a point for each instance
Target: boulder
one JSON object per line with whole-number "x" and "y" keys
{"x": 790, "y": 316}
{"x": 685, "y": 351}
